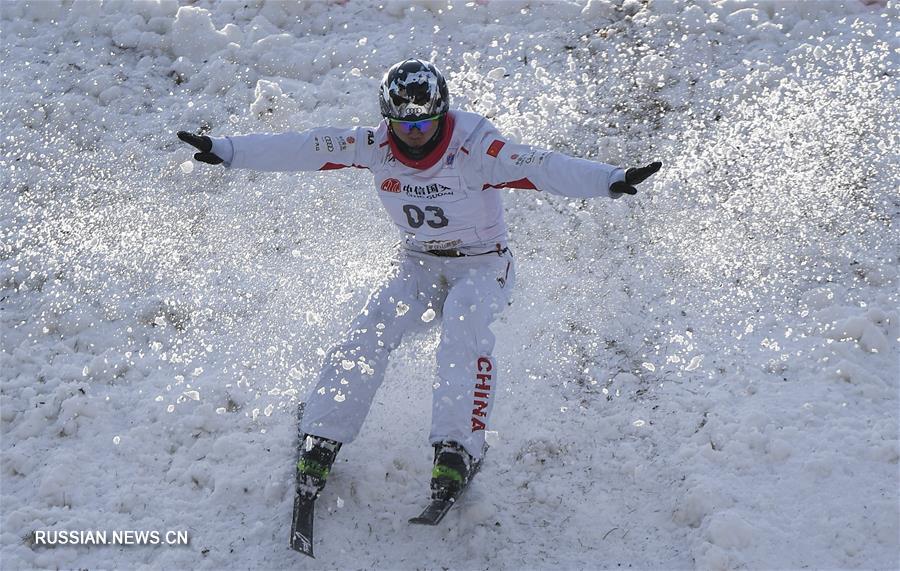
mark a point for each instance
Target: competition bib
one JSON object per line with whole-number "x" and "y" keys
{"x": 433, "y": 209}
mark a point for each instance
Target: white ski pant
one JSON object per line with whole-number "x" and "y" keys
{"x": 464, "y": 294}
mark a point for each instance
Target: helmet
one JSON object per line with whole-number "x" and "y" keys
{"x": 413, "y": 89}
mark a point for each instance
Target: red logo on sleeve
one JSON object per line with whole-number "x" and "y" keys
{"x": 495, "y": 147}
{"x": 391, "y": 185}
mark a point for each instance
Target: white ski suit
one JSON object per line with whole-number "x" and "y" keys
{"x": 454, "y": 266}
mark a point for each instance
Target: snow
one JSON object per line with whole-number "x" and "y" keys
{"x": 703, "y": 375}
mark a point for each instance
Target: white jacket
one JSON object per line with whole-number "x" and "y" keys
{"x": 448, "y": 199}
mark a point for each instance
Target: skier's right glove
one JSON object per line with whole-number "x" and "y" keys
{"x": 203, "y": 144}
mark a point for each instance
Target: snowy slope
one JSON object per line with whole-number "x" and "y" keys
{"x": 703, "y": 376}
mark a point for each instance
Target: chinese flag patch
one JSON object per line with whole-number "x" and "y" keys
{"x": 495, "y": 147}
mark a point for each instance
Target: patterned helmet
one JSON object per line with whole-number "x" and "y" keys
{"x": 413, "y": 89}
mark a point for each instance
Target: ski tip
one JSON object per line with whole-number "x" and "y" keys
{"x": 307, "y": 553}
{"x": 433, "y": 513}
{"x": 302, "y": 544}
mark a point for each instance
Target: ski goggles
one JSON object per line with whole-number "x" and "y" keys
{"x": 423, "y": 125}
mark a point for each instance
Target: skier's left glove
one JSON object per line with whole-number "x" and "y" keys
{"x": 202, "y": 144}
{"x": 633, "y": 177}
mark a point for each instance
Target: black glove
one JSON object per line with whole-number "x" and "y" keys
{"x": 203, "y": 144}
{"x": 633, "y": 177}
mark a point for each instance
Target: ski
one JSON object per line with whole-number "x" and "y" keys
{"x": 304, "y": 505}
{"x": 302, "y": 524}
{"x": 435, "y": 511}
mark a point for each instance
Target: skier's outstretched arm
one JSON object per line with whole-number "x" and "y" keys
{"x": 322, "y": 148}
{"x": 512, "y": 165}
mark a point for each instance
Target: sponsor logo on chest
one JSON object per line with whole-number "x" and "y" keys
{"x": 433, "y": 190}
{"x": 426, "y": 191}
{"x": 390, "y": 185}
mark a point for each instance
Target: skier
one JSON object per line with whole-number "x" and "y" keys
{"x": 437, "y": 172}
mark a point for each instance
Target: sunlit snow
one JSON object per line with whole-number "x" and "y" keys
{"x": 704, "y": 375}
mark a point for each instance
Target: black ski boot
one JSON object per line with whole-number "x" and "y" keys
{"x": 453, "y": 467}
{"x": 315, "y": 463}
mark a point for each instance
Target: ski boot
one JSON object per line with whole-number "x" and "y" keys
{"x": 453, "y": 470}
{"x": 453, "y": 467}
{"x": 315, "y": 462}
